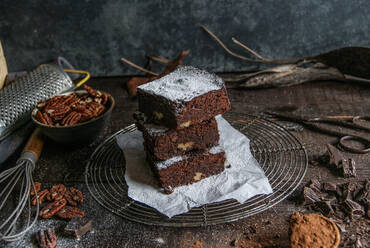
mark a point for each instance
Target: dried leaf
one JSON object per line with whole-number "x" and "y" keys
{"x": 348, "y": 60}
{"x": 136, "y": 81}
{"x": 295, "y": 75}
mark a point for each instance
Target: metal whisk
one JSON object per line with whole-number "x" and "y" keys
{"x": 19, "y": 178}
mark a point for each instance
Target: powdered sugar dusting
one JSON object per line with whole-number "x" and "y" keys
{"x": 169, "y": 162}
{"x": 155, "y": 130}
{"x": 216, "y": 149}
{"x": 184, "y": 84}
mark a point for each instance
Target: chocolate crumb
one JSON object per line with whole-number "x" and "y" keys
{"x": 78, "y": 227}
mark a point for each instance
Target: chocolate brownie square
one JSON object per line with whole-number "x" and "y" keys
{"x": 164, "y": 143}
{"x": 187, "y": 169}
{"x": 183, "y": 98}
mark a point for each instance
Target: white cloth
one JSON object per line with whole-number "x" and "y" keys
{"x": 243, "y": 180}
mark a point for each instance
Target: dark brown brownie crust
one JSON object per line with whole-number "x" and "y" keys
{"x": 168, "y": 143}
{"x": 181, "y": 115}
{"x": 194, "y": 168}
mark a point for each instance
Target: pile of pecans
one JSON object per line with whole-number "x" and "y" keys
{"x": 72, "y": 109}
{"x": 59, "y": 196}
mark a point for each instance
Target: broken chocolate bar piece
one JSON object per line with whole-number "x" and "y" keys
{"x": 310, "y": 196}
{"x": 348, "y": 189}
{"x": 348, "y": 168}
{"x": 78, "y": 227}
{"x": 47, "y": 238}
{"x": 325, "y": 207}
{"x": 353, "y": 209}
{"x": 336, "y": 157}
{"x": 363, "y": 193}
{"x": 329, "y": 187}
{"x": 315, "y": 185}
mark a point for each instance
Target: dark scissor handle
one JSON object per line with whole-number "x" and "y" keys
{"x": 364, "y": 141}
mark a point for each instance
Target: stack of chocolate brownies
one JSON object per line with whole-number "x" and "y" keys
{"x": 177, "y": 119}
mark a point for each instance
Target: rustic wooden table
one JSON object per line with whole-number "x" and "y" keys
{"x": 61, "y": 164}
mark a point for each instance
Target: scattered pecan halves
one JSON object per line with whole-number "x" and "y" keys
{"x": 37, "y": 186}
{"x": 47, "y": 238}
{"x": 52, "y": 208}
{"x": 74, "y": 196}
{"x": 41, "y": 196}
{"x": 57, "y": 192}
{"x": 69, "y": 212}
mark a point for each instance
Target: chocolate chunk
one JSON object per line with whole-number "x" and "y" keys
{"x": 348, "y": 168}
{"x": 336, "y": 157}
{"x": 78, "y": 227}
{"x": 363, "y": 193}
{"x": 329, "y": 187}
{"x": 348, "y": 189}
{"x": 315, "y": 185}
{"x": 353, "y": 209}
{"x": 47, "y": 238}
{"x": 367, "y": 207}
{"x": 310, "y": 196}
{"x": 325, "y": 207}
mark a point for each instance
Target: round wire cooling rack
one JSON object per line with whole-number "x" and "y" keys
{"x": 280, "y": 154}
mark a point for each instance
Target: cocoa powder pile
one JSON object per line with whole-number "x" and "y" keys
{"x": 313, "y": 231}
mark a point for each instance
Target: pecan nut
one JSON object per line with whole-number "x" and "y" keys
{"x": 37, "y": 186}
{"x": 52, "y": 208}
{"x": 104, "y": 98}
{"x": 86, "y": 115}
{"x": 73, "y": 196}
{"x": 69, "y": 212}
{"x": 90, "y": 90}
{"x": 56, "y": 192}
{"x": 58, "y": 112}
{"x": 47, "y": 238}
{"x": 71, "y": 119}
{"x": 44, "y": 118}
{"x": 96, "y": 108}
{"x": 79, "y": 108}
{"x": 72, "y": 109}
{"x": 41, "y": 196}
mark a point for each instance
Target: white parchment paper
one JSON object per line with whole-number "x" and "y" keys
{"x": 243, "y": 180}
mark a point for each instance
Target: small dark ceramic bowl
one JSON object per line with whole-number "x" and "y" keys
{"x": 81, "y": 133}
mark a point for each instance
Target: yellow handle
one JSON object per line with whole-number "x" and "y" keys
{"x": 87, "y": 77}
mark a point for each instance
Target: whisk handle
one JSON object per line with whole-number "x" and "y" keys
{"x": 35, "y": 143}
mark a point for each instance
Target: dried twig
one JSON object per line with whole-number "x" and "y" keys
{"x": 295, "y": 73}
{"x": 260, "y": 58}
{"x": 139, "y": 67}
{"x": 158, "y": 58}
{"x": 285, "y": 60}
{"x": 225, "y": 47}
{"x": 248, "y": 49}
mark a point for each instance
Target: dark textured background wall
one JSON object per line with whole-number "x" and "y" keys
{"x": 93, "y": 35}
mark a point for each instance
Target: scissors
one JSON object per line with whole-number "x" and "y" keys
{"x": 356, "y": 122}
